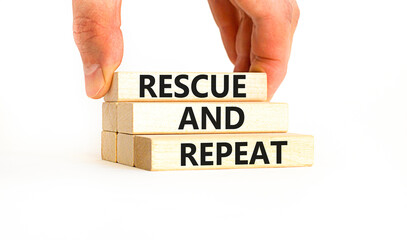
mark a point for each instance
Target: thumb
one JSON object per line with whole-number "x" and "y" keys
{"x": 97, "y": 34}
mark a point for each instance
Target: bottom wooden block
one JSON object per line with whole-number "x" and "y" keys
{"x": 215, "y": 151}
{"x": 125, "y": 153}
{"x": 109, "y": 146}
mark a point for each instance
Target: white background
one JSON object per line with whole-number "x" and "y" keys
{"x": 346, "y": 85}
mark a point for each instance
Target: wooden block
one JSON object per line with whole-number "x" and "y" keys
{"x": 153, "y": 86}
{"x": 125, "y": 154}
{"x": 109, "y": 119}
{"x": 170, "y": 118}
{"x": 109, "y": 146}
{"x": 220, "y": 151}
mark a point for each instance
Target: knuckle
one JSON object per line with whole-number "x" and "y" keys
{"x": 288, "y": 11}
{"x": 292, "y": 11}
{"x": 85, "y": 29}
{"x": 296, "y": 12}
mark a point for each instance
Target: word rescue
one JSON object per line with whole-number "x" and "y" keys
{"x": 184, "y": 86}
{"x": 172, "y": 87}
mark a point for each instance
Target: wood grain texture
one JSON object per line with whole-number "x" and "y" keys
{"x": 109, "y": 116}
{"x": 125, "y": 153}
{"x": 165, "y": 118}
{"x": 109, "y": 146}
{"x": 164, "y": 152}
{"x": 126, "y": 87}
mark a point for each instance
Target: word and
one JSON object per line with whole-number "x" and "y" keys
{"x": 189, "y": 118}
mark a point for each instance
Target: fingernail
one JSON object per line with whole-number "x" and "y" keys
{"x": 256, "y": 68}
{"x": 94, "y": 79}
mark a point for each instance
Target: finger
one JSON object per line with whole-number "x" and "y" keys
{"x": 271, "y": 38}
{"x": 227, "y": 19}
{"x": 97, "y": 34}
{"x": 295, "y": 15}
{"x": 271, "y": 58}
{"x": 243, "y": 44}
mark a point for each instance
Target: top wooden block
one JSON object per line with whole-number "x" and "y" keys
{"x": 190, "y": 87}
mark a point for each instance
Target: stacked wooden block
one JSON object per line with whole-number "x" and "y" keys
{"x": 177, "y": 121}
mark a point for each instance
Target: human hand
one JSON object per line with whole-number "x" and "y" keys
{"x": 96, "y": 29}
{"x": 257, "y": 35}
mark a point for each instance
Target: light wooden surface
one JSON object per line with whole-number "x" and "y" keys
{"x": 165, "y": 118}
{"x": 168, "y": 152}
{"x": 126, "y": 87}
{"x": 109, "y": 146}
{"x": 109, "y": 116}
{"x": 125, "y": 153}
